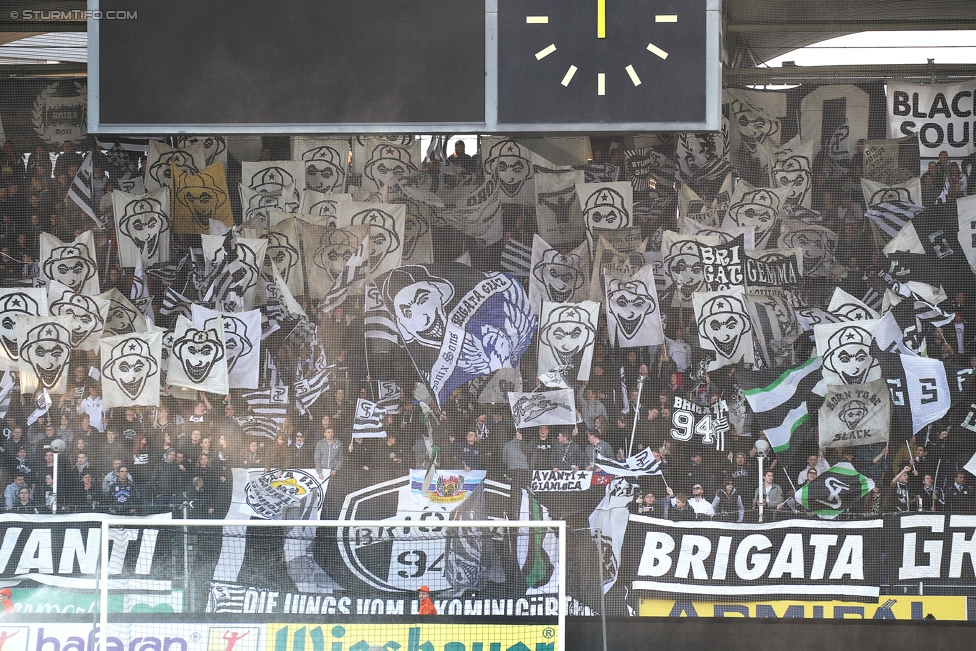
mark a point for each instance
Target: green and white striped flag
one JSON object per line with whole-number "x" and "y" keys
{"x": 834, "y": 491}
{"x": 784, "y": 400}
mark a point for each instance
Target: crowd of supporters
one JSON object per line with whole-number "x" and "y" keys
{"x": 181, "y": 454}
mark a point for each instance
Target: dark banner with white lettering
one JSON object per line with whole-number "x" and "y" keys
{"x": 931, "y": 546}
{"x": 788, "y": 559}
{"x": 65, "y": 553}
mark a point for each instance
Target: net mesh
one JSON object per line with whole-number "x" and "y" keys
{"x": 651, "y": 559}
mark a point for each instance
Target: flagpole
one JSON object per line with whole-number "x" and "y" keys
{"x": 633, "y": 430}
{"x": 935, "y": 483}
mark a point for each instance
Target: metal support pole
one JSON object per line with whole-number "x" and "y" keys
{"x": 603, "y": 593}
{"x": 762, "y": 495}
{"x": 633, "y": 430}
{"x": 54, "y": 486}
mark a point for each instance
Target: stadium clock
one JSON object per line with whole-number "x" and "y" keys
{"x": 602, "y": 61}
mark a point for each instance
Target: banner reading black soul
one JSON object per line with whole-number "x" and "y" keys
{"x": 789, "y": 559}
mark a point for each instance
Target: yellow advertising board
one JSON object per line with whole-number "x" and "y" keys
{"x": 411, "y": 637}
{"x": 900, "y": 607}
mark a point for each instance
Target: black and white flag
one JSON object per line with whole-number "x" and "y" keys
{"x": 73, "y": 264}
{"x": 82, "y": 191}
{"x": 517, "y": 257}
{"x": 368, "y": 421}
{"x": 543, "y": 408}
{"x": 819, "y": 244}
{"x": 268, "y": 411}
{"x": 199, "y": 358}
{"x": 889, "y": 217}
{"x": 567, "y": 333}
{"x": 683, "y": 268}
{"x": 142, "y": 226}
{"x": 633, "y": 309}
{"x": 919, "y": 390}
{"x": 131, "y": 369}
{"x": 16, "y": 302}
{"x": 724, "y": 326}
{"x": 44, "y": 345}
{"x": 556, "y": 277}
{"x": 242, "y": 342}
{"x": 558, "y": 214}
{"x": 855, "y": 415}
{"x": 89, "y": 314}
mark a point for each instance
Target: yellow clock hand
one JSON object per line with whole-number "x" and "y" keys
{"x": 601, "y": 18}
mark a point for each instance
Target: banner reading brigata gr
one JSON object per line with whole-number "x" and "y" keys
{"x": 792, "y": 559}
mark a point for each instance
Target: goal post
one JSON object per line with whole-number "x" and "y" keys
{"x": 339, "y": 585}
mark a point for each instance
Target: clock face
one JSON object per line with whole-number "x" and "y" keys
{"x": 601, "y": 61}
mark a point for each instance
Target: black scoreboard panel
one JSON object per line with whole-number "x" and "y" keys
{"x": 222, "y": 62}
{"x": 404, "y": 66}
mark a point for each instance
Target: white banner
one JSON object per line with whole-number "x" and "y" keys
{"x": 939, "y": 114}
{"x": 130, "y": 369}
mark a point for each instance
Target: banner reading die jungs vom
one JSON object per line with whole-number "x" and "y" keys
{"x": 794, "y": 559}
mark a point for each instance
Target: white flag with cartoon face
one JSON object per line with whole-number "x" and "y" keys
{"x": 199, "y": 357}
{"x": 242, "y": 343}
{"x": 73, "y": 264}
{"x": 633, "y": 310}
{"x": 45, "y": 347}
{"x": 724, "y": 326}
{"x": 142, "y": 224}
{"x": 131, "y": 369}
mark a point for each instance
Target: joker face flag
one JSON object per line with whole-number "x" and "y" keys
{"x": 683, "y": 266}
{"x": 606, "y": 206}
{"x": 633, "y": 311}
{"x": 162, "y": 159}
{"x": 242, "y": 342}
{"x": 199, "y": 197}
{"x": 122, "y": 317}
{"x": 846, "y": 352}
{"x": 555, "y": 277}
{"x": 386, "y": 164}
{"x": 386, "y": 225}
{"x": 326, "y": 162}
{"x": 543, "y": 408}
{"x": 199, "y": 358}
{"x": 283, "y": 181}
{"x": 142, "y": 225}
{"x": 331, "y": 249}
{"x": 131, "y": 369}
{"x": 608, "y": 258}
{"x": 417, "y": 240}
{"x": 44, "y": 348}
{"x": 72, "y": 264}
{"x": 758, "y": 207}
{"x": 457, "y": 323}
{"x": 847, "y": 308}
{"x": 512, "y": 166}
{"x": 28, "y": 301}
{"x": 817, "y": 243}
{"x": 724, "y": 326}
{"x": 566, "y": 338}
{"x": 323, "y": 207}
{"x": 89, "y": 314}
{"x": 876, "y": 193}
{"x": 855, "y": 415}
{"x": 284, "y": 253}
{"x": 691, "y": 227}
